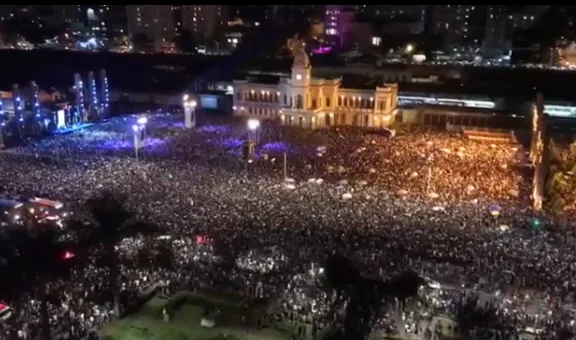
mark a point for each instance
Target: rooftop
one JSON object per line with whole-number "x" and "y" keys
{"x": 263, "y": 79}
{"x": 359, "y": 82}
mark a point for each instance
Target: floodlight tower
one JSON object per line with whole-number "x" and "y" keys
{"x": 36, "y": 111}
{"x": 17, "y": 101}
{"x": 78, "y": 116}
{"x": 18, "y": 109}
{"x": 35, "y": 103}
{"x": 2, "y": 123}
{"x": 189, "y": 111}
{"x": 104, "y": 94}
{"x": 2, "y": 113}
{"x": 93, "y": 94}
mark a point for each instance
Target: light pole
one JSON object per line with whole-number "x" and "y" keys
{"x": 142, "y": 121}
{"x": 189, "y": 111}
{"x": 285, "y": 167}
{"x": 254, "y": 130}
{"x": 409, "y": 49}
{"x": 138, "y": 138}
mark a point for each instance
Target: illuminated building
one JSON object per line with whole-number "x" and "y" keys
{"x": 100, "y": 21}
{"x": 155, "y": 21}
{"x": 566, "y": 55}
{"x": 307, "y": 101}
{"x": 337, "y": 23}
{"x": 202, "y": 21}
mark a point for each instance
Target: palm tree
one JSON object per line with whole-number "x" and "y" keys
{"x": 37, "y": 263}
{"x": 400, "y": 288}
{"x": 471, "y": 317}
{"x": 113, "y": 222}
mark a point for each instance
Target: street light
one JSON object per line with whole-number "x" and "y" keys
{"x": 189, "y": 111}
{"x": 253, "y": 124}
{"x": 138, "y": 130}
{"x": 142, "y": 121}
{"x": 254, "y": 130}
{"x": 409, "y": 48}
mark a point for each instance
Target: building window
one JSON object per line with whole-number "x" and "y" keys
{"x": 331, "y": 31}
{"x": 313, "y": 103}
{"x": 327, "y": 101}
{"x": 285, "y": 100}
{"x": 239, "y": 95}
{"x": 376, "y": 41}
{"x": 339, "y": 101}
{"x": 299, "y": 102}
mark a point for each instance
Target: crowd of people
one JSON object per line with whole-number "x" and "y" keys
{"x": 450, "y": 208}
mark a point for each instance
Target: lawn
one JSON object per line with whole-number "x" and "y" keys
{"x": 234, "y": 323}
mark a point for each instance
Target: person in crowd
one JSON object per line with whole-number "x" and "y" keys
{"x": 454, "y": 210}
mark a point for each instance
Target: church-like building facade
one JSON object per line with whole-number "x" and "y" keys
{"x": 307, "y": 101}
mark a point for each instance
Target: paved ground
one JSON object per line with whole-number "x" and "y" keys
{"x": 148, "y": 324}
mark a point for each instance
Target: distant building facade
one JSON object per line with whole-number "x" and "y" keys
{"x": 307, "y": 101}
{"x": 165, "y": 22}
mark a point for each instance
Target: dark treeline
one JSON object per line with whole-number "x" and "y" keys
{"x": 140, "y": 72}
{"x": 145, "y": 72}
{"x": 367, "y": 297}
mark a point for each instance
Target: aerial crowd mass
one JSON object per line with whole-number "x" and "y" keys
{"x": 454, "y": 210}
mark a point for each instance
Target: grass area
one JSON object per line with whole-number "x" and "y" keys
{"x": 236, "y": 321}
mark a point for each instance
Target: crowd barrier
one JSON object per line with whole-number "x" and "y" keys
{"x": 491, "y": 135}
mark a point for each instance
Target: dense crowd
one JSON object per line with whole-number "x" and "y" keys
{"x": 452, "y": 209}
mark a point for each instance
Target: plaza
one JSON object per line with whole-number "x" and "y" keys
{"x": 186, "y": 318}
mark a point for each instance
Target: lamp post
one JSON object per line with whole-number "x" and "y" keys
{"x": 138, "y": 130}
{"x": 409, "y": 49}
{"x": 254, "y": 130}
{"x": 2, "y": 124}
{"x": 189, "y": 111}
{"x": 285, "y": 167}
{"x": 142, "y": 121}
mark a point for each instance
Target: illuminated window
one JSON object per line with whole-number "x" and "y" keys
{"x": 376, "y": 41}
{"x": 331, "y": 31}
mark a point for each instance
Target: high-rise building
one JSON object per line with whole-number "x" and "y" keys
{"x": 495, "y": 35}
{"x": 412, "y": 12}
{"x": 501, "y": 23}
{"x": 92, "y": 20}
{"x": 162, "y": 23}
{"x": 202, "y": 21}
{"x": 155, "y": 21}
{"x": 459, "y": 25}
{"x": 337, "y": 22}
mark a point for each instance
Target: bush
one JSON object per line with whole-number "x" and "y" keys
{"x": 230, "y": 312}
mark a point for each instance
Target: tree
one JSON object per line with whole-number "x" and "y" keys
{"x": 185, "y": 41}
{"x": 470, "y": 317}
{"x": 406, "y": 285}
{"x": 113, "y": 222}
{"x": 39, "y": 261}
{"x": 340, "y": 271}
{"x": 555, "y": 155}
{"x": 140, "y": 40}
